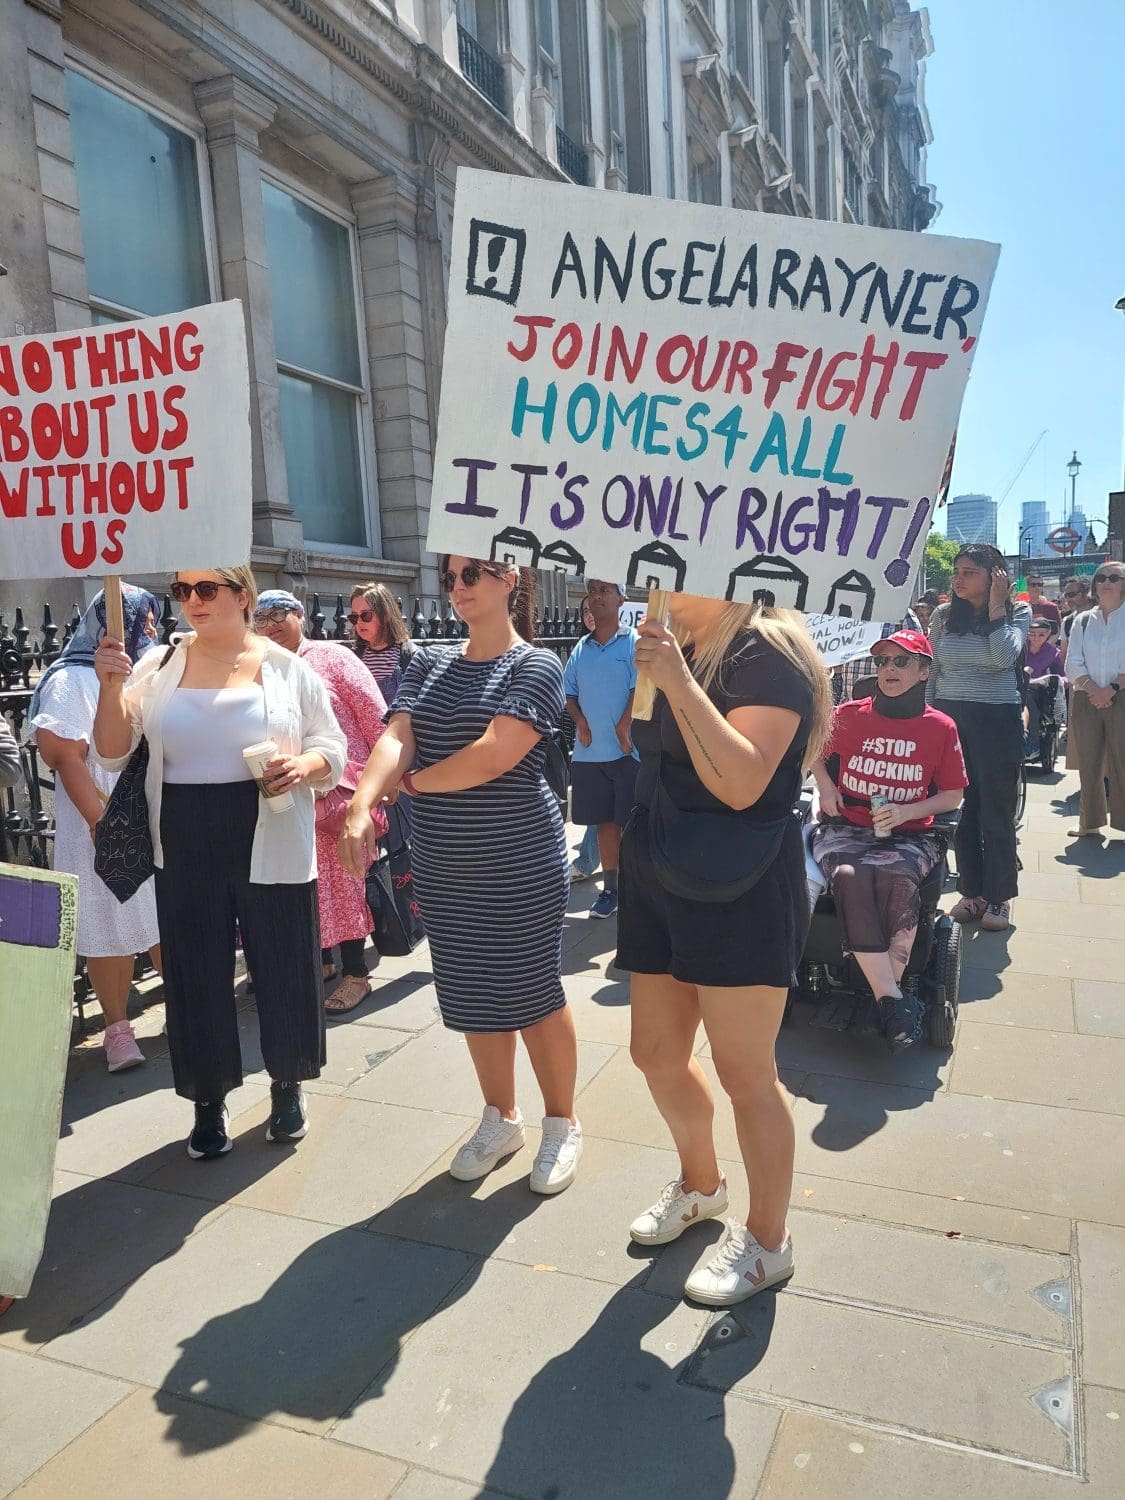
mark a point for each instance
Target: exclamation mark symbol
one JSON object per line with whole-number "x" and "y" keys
{"x": 494, "y": 254}
{"x": 898, "y": 571}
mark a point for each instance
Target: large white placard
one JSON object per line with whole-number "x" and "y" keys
{"x": 716, "y": 402}
{"x": 126, "y": 448}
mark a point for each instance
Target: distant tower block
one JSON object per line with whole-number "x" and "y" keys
{"x": 852, "y": 596}
{"x": 770, "y": 581}
{"x": 657, "y": 566}
{"x": 516, "y": 547}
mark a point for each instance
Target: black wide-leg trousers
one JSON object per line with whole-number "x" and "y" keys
{"x": 204, "y": 899}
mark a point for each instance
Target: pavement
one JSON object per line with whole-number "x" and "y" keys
{"x": 342, "y": 1315}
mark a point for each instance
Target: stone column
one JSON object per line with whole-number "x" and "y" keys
{"x": 235, "y": 114}
{"x": 403, "y": 398}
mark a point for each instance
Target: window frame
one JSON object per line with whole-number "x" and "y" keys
{"x": 191, "y": 126}
{"x": 364, "y": 406}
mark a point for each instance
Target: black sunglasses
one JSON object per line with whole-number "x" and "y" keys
{"x": 895, "y": 661}
{"x": 1072, "y": 594}
{"x": 470, "y": 575}
{"x": 1109, "y": 577}
{"x": 273, "y": 616}
{"x": 206, "y": 590}
{"x": 366, "y": 615}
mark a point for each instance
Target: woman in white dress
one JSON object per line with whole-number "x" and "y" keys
{"x": 61, "y": 719}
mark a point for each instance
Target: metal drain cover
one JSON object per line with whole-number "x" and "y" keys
{"x": 1057, "y": 1402}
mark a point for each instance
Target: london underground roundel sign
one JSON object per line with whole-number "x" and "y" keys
{"x": 1063, "y": 539}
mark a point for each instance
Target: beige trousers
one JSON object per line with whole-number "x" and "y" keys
{"x": 1099, "y": 745}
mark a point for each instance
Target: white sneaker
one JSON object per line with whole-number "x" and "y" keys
{"x": 676, "y": 1210}
{"x": 493, "y": 1140}
{"x": 560, "y": 1151}
{"x": 741, "y": 1268}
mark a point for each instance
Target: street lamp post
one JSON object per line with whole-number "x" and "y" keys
{"x": 1026, "y": 531}
{"x": 1072, "y": 469}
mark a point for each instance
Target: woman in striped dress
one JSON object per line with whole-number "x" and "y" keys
{"x": 489, "y": 856}
{"x": 382, "y": 641}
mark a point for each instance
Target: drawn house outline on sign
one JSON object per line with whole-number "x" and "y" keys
{"x": 563, "y": 558}
{"x": 657, "y": 555}
{"x": 507, "y": 544}
{"x": 852, "y": 596}
{"x": 768, "y": 580}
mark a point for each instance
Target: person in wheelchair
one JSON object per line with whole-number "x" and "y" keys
{"x": 892, "y": 765}
{"x": 1044, "y": 671}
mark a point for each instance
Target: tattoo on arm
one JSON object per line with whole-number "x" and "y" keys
{"x": 696, "y": 736}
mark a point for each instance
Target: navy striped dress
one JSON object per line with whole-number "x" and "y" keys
{"x": 490, "y": 866}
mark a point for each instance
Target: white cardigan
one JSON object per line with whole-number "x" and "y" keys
{"x": 299, "y": 718}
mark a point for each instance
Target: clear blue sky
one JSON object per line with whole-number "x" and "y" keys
{"x": 1026, "y": 103}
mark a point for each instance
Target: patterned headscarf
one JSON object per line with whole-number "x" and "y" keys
{"x": 137, "y": 605}
{"x": 279, "y": 599}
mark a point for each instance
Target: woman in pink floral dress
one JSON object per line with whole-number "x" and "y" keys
{"x": 360, "y": 711}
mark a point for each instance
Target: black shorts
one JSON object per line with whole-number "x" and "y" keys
{"x": 601, "y": 791}
{"x": 756, "y": 939}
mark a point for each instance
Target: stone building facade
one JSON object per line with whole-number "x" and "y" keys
{"x": 301, "y": 155}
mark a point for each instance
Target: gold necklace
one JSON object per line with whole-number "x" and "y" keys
{"x": 223, "y": 661}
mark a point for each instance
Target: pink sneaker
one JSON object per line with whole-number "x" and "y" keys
{"x": 121, "y": 1050}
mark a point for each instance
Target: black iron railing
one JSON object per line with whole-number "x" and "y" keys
{"x": 572, "y": 158}
{"x": 481, "y": 69}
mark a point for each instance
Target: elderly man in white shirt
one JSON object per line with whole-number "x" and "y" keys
{"x": 1095, "y": 664}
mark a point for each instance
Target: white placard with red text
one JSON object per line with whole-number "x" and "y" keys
{"x": 740, "y": 405}
{"x": 126, "y": 448}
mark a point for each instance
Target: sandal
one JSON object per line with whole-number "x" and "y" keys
{"x": 327, "y": 972}
{"x": 969, "y": 909}
{"x": 350, "y": 992}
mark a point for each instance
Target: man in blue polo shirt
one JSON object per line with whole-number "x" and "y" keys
{"x": 599, "y": 681}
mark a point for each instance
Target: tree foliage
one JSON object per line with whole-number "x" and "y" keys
{"x": 938, "y": 561}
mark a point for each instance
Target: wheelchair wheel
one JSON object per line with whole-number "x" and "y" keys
{"x": 945, "y": 968}
{"x": 1021, "y": 797}
{"x": 1049, "y": 748}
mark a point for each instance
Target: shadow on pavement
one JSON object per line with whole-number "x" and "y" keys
{"x": 855, "y": 1109}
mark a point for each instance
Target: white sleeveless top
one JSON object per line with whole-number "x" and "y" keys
{"x": 206, "y": 731}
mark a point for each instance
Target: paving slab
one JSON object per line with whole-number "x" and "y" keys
{"x": 1099, "y": 1006}
{"x": 433, "y": 1070}
{"x": 352, "y": 1051}
{"x": 1039, "y": 951}
{"x": 44, "y": 1406}
{"x": 815, "y": 1458}
{"x": 600, "y": 1008}
{"x": 1101, "y": 1267}
{"x": 1102, "y": 892}
{"x": 1060, "y": 1161}
{"x": 950, "y": 1214}
{"x": 268, "y": 1317}
{"x": 1041, "y": 1067}
{"x": 195, "y": 1452}
{"x": 424, "y": 1484}
{"x": 102, "y": 1234}
{"x": 964, "y": 1281}
{"x": 113, "y": 1122}
{"x": 404, "y": 1002}
{"x": 541, "y": 1385}
{"x": 806, "y": 1048}
{"x": 1015, "y": 999}
{"x": 356, "y": 1159}
{"x": 926, "y": 1377}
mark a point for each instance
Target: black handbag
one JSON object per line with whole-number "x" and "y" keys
{"x": 705, "y": 855}
{"x": 123, "y": 853}
{"x": 390, "y": 894}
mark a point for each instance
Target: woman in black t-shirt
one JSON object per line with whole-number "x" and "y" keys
{"x": 743, "y": 708}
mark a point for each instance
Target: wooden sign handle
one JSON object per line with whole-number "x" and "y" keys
{"x": 114, "y": 608}
{"x": 644, "y": 694}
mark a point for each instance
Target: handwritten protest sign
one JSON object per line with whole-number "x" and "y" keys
{"x": 745, "y": 406}
{"x": 839, "y": 639}
{"x": 126, "y": 448}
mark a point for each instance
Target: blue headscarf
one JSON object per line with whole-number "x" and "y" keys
{"x": 136, "y": 604}
{"x": 279, "y": 599}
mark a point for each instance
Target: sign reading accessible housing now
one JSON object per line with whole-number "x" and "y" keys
{"x": 745, "y": 406}
{"x": 126, "y": 448}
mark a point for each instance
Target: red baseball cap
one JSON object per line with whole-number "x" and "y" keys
{"x": 910, "y": 640}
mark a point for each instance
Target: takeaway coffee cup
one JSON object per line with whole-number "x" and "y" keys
{"x": 256, "y": 757}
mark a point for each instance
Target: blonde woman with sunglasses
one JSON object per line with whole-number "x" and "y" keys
{"x": 466, "y": 739}
{"x": 1095, "y": 664}
{"x": 224, "y": 859}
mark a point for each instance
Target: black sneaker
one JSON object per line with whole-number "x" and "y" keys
{"x": 289, "y": 1119}
{"x": 902, "y": 1020}
{"x": 211, "y": 1136}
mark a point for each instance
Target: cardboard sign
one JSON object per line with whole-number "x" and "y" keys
{"x": 745, "y": 406}
{"x": 38, "y": 930}
{"x": 839, "y": 639}
{"x": 126, "y": 448}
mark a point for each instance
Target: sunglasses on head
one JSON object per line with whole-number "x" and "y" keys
{"x": 1109, "y": 577}
{"x": 903, "y": 660}
{"x": 274, "y": 616}
{"x": 366, "y": 615}
{"x": 470, "y": 575}
{"x": 206, "y": 590}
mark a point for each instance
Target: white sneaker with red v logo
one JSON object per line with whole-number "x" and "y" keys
{"x": 675, "y": 1210}
{"x": 740, "y": 1268}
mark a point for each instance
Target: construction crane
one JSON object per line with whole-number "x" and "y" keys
{"x": 1023, "y": 465}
